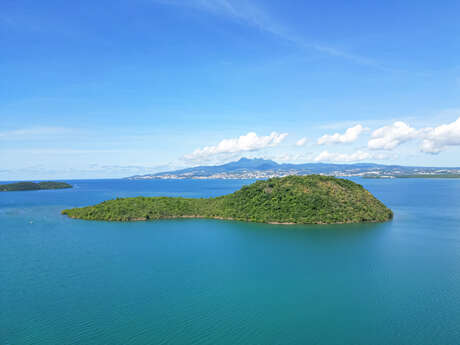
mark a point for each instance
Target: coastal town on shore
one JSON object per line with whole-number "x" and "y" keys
{"x": 402, "y": 172}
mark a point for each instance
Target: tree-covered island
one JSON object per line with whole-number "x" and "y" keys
{"x": 309, "y": 199}
{"x": 25, "y": 186}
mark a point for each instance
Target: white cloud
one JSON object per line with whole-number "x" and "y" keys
{"x": 350, "y": 135}
{"x": 389, "y": 137}
{"x": 301, "y": 142}
{"x": 290, "y": 157}
{"x": 327, "y": 156}
{"x": 244, "y": 143}
{"x": 439, "y": 138}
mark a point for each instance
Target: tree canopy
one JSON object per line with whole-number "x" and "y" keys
{"x": 24, "y": 186}
{"x": 311, "y": 199}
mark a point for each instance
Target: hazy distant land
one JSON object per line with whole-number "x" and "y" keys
{"x": 261, "y": 168}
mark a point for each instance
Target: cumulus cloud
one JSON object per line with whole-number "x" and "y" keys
{"x": 301, "y": 142}
{"x": 327, "y": 156}
{"x": 439, "y": 138}
{"x": 434, "y": 140}
{"x": 244, "y": 143}
{"x": 389, "y": 137}
{"x": 350, "y": 135}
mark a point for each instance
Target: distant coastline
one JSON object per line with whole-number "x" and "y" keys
{"x": 257, "y": 168}
{"x": 415, "y": 176}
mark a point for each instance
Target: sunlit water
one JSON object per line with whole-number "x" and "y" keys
{"x": 195, "y": 281}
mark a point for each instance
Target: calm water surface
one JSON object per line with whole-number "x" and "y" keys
{"x": 65, "y": 281}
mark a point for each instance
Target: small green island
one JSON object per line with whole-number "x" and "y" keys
{"x": 311, "y": 199}
{"x": 25, "y": 186}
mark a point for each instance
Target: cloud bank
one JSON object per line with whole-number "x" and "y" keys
{"x": 433, "y": 140}
{"x": 389, "y": 137}
{"x": 386, "y": 138}
{"x": 439, "y": 138}
{"x": 350, "y": 136}
{"x": 244, "y": 143}
{"x": 357, "y": 156}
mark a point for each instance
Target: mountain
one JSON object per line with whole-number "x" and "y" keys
{"x": 312, "y": 199}
{"x": 262, "y": 168}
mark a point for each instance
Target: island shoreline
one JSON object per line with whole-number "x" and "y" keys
{"x": 290, "y": 200}
{"x": 228, "y": 219}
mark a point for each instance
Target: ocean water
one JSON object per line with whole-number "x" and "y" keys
{"x": 196, "y": 281}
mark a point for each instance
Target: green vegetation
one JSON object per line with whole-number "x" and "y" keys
{"x": 23, "y": 186}
{"x": 310, "y": 199}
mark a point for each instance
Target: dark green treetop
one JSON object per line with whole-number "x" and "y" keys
{"x": 311, "y": 199}
{"x": 24, "y": 186}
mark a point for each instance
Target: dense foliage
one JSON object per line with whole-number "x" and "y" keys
{"x": 33, "y": 186}
{"x": 309, "y": 199}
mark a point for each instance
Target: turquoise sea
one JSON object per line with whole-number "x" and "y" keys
{"x": 196, "y": 281}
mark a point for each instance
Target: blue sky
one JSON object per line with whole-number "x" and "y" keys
{"x": 93, "y": 89}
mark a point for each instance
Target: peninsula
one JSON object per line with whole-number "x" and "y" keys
{"x": 311, "y": 199}
{"x": 25, "y": 186}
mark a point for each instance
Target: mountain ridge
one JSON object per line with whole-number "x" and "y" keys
{"x": 265, "y": 168}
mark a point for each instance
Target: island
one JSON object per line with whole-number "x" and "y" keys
{"x": 25, "y": 186}
{"x": 312, "y": 199}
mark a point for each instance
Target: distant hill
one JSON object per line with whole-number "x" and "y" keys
{"x": 24, "y": 186}
{"x": 309, "y": 199}
{"x": 262, "y": 168}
